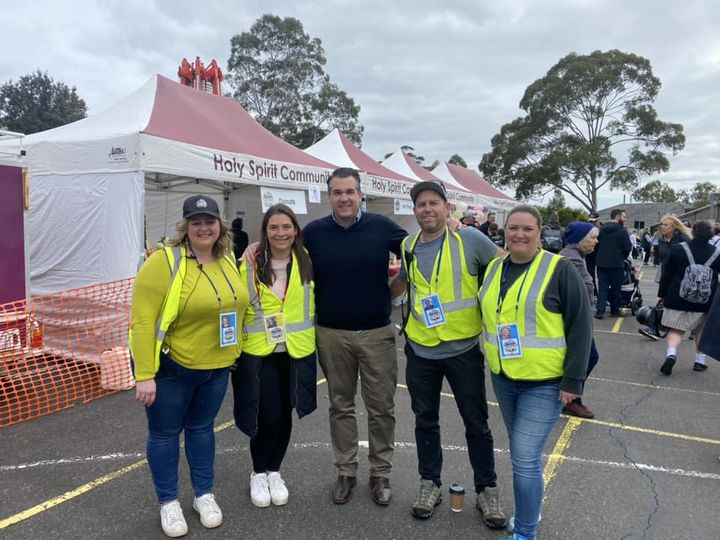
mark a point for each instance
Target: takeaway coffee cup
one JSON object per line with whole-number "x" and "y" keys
{"x": 457, "y": 497}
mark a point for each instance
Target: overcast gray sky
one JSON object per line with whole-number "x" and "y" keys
{"x": 441, "y": 77}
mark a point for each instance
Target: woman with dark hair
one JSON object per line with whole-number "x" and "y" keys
{"x": 541, "y": 299}
{"x": 687, "y": 287}
{"x": 187, "y": 302}
{"x": 277, "y": 369}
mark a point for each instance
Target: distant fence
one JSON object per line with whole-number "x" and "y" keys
{"x": 63, "y": 348}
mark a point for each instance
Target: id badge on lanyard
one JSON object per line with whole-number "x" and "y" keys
{"x": 433, "y": 311}
{"x": 274, "y": 328}
{"x": 228, "y": 329}
{"x": 509, "y": 344}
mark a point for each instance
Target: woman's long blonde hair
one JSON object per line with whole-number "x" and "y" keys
{"x": 677, "y": 224}
{"x": 223, "y": 245}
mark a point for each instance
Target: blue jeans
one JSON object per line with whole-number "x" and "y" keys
{"x": 529, "y": 413}
{"x": 610, "y": 282}
{"x": 189, "y": 400}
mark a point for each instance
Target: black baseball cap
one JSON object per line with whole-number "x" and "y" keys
{"x": 200, "y": 204}
{"x": 435, "y": 185}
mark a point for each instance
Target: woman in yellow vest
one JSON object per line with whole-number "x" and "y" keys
{"x": 277, "y": 370}
{"x": 537, "y": 329}
{"x": 187, "y": 304}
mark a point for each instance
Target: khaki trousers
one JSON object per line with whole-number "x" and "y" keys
{"x": 371, "y": 354}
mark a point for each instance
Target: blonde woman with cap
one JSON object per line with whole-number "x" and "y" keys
{"x": 188, "y": 303}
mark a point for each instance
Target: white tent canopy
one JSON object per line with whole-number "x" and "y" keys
{"x": 94, "y": 181}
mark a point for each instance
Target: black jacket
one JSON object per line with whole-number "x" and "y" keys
{"x": 613, "y": 246}
{"x": 674, "y": 269}
{"x": 710, "y": 337}
{"x": 665, "y": 246}
{"x": 246, "y": 389}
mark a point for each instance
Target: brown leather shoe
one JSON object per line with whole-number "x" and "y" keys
{"x": 342, "y": 492}
{"x": 380, "y": 488}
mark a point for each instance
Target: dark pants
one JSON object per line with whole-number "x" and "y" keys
{"x": 647, "y": 254}
{"x": 269, "y": 445}
{"x": 466, "y": 376}
{"x": 610, "y": 282}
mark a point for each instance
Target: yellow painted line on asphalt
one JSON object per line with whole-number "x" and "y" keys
{"x": 558, "y": 452}
{"x": 65, "y": 497}
{"x": 616, "y": 333}
{"x": 69, "y": 495}
{"x": 617, "y": 325}
{"x": 645, "y": 385}
{"x": 649, "y": 431}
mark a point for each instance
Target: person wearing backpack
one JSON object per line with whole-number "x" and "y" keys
{"x": 687, "y": 287}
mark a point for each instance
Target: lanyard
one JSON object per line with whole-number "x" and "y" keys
{"x": 501, "y": 296}
{"x": 439, "y": 259}
{"x": 212, "y": 284}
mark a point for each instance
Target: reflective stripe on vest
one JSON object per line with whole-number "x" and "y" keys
{"x": 542, "y": 355}
{"x": 456, "y": 289}
{"x": 177, "y": 260}
{"x": 299, "y": 324}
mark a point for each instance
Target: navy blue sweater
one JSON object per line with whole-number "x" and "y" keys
{"x": 351, "y": 270}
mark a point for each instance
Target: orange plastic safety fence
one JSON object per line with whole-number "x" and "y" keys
{"x": 63, "y": 348}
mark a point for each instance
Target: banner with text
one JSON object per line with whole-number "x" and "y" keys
{"x": 403, "y": 207}
{"x": 293, "y": 198}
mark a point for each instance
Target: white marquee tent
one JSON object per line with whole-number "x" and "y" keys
{"x": 103, "y": 186}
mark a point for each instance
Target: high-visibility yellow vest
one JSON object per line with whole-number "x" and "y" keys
{"x": 177, "y": 259}
{"x": 298, "y": 310}
{"x": 456, "y": 288}
{"x": 541, "y": 332}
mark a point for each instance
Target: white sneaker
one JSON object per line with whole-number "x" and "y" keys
{"x": 172, "y": 520}
{"x": 278, "y": 492}
{"x": 210, "y": 513}
{"x": 259, "y": 490}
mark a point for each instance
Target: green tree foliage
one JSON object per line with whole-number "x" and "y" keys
{"x": 590, "y": 124}
{"x": 655, "y": 191}
{"x": 455, "y": 159}
{"x": 277, "y": 72}
{"x": 699, "y": 195}
{"x": 37, "y": 103}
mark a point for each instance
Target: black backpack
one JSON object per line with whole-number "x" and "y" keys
{"x": 551, "y": 239}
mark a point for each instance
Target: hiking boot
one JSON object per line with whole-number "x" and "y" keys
{"x": 488, "y": 502}
{"x": 697, "y": 366}
{"x": 279, "y": 494}
{"x": 649, "y": 333}
{"x": 428, "y": 498}
{"x": 576, "y": 408}
{"x": 666, "y": 368}
{"x": 210, "y": 513}
{"x": 172, "y": 520}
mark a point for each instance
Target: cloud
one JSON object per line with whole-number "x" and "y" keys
{"x": 442, "y": 77}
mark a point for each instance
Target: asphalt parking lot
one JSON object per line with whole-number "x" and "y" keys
{"x": 645, "y": 468}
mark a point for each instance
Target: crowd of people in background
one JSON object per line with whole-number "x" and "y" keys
{"x": 209, "y": 308}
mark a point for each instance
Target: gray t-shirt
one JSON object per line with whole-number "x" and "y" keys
{"x": 479, "y": 251}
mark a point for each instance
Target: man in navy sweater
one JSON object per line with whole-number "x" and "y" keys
{"x": 350, "y": 251}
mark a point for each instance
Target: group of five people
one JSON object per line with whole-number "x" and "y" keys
{"x": 323, "y": 292}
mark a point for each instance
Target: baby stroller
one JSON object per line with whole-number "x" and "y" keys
{"x": 630, "y": 290}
